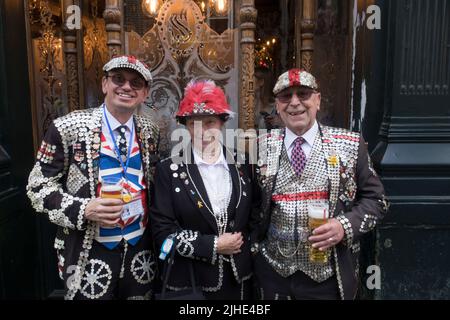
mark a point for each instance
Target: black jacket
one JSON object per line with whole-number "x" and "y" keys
{"x": 65, "y": 178}
{"x": 180, "y": 208}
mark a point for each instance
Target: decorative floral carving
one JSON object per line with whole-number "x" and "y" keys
{"x": 112, "y": 15}
{"x": 113, "y": 18}
{"x": 179, "y": 47}
{"x": 72, "y": 81}
{"x": 248, "y": 14}
{"x": 48, "y": 57}
{"x": 246, "y": 111}
{"x": 95, "y": 55}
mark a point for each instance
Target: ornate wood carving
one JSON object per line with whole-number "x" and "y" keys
{"x": 248, "y": 15}
{"x": 46, "y": 65}
{"x": 95, "y": 55}
{"x": 305, "y": 41}
{"x": 113, "y": 18}
{"x": 181, "y": 46}
{"x": 71, "y": 59}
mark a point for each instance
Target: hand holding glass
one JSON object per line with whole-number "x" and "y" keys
{"x": 111, "y": 188}
{"x": 317, "y": 216}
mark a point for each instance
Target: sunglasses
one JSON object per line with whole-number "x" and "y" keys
{"x": 301, "y": 93}
{"x": 119, "y": 80}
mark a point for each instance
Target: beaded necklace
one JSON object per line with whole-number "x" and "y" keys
{"x": 220, "y": 217}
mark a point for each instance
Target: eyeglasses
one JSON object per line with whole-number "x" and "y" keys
{"x": 119, "y": 80}
{"x": 301, "y": 93}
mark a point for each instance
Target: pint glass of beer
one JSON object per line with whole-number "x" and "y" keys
{"x": 318, "y": 215}
{"x": 111, "y": 188}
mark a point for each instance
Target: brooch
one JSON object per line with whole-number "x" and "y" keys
{"x": 333, "y": 160}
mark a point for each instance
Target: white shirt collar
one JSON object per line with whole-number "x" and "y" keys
{"x": 114, "y": 123}
{"x": 309, "y": 135}
{"x": 219, "y": 162}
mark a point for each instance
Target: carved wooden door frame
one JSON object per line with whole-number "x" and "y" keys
{"x": 113, "y": 18}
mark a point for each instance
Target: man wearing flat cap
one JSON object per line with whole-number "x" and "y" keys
{"x": 93, "y": 178}
{"x": 319, "y": 195}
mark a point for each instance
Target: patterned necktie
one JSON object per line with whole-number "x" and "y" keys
{"x": 298, "y": 156}
{"x": 122, "y": 142}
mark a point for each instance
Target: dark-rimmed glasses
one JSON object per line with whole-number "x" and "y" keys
{"x": 119, "y": 80}
{"x": 301, "y": 93}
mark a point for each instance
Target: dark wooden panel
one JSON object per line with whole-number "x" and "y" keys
{"x": 332, "y": 61}
{"x": 24, "y": 257}
{"x": 414, "y": 262}
{"x": 413, "y": 154}
{"x": 421, "y": 65}
{"x": 424, "y": 56}
{"x": 18, "y": 259}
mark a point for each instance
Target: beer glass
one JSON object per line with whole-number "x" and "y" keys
{"x": 111, "y": 188}
{"x": 317, "y": 216}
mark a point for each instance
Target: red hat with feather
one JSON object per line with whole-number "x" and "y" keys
{"x": 203, "y": 98}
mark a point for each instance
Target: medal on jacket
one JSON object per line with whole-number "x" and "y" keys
{"x": 126, "y": 195}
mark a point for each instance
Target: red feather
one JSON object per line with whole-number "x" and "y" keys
{"x": 203, "y": 92}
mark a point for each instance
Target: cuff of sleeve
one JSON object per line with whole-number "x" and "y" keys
{"x": 348, "y": 237}
{"x": 214, "y": 254}
{"x": 185, "y": 243}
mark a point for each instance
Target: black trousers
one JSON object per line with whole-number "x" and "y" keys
{"x": 231, "y": 289}
{"x": 125, "y": 272}
{"x": 272, "y": 286}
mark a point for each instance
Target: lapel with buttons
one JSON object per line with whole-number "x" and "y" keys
{"x": 93, "y": 143}
{"x": 141, "y": 134}
{"x": 270, "y": 149}
{"x": 239, "y": 188}
{"x": 333, "y": 167}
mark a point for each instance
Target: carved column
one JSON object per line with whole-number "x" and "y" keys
{"x": 284, "y": 33}
{"x": 74, "y": 96}
{"x": 113, "y": 18}
{"x": 305, "y": 33}
{"x": 247, "y": 63}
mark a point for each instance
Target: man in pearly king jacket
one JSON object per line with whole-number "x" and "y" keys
{"x": 303, "y": 164}
{"x": 103, "y": 245}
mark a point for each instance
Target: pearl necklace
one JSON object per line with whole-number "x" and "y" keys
{"x": 221, "y": 217}
{"x": 222, "y": 200}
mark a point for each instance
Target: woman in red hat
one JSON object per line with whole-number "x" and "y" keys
{"x": 202, "y": 202}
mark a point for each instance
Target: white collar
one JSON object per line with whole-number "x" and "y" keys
{"x": 219, "y": 162}
{"x": 309, "y": 135}
{"x": 114, "y": 123}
